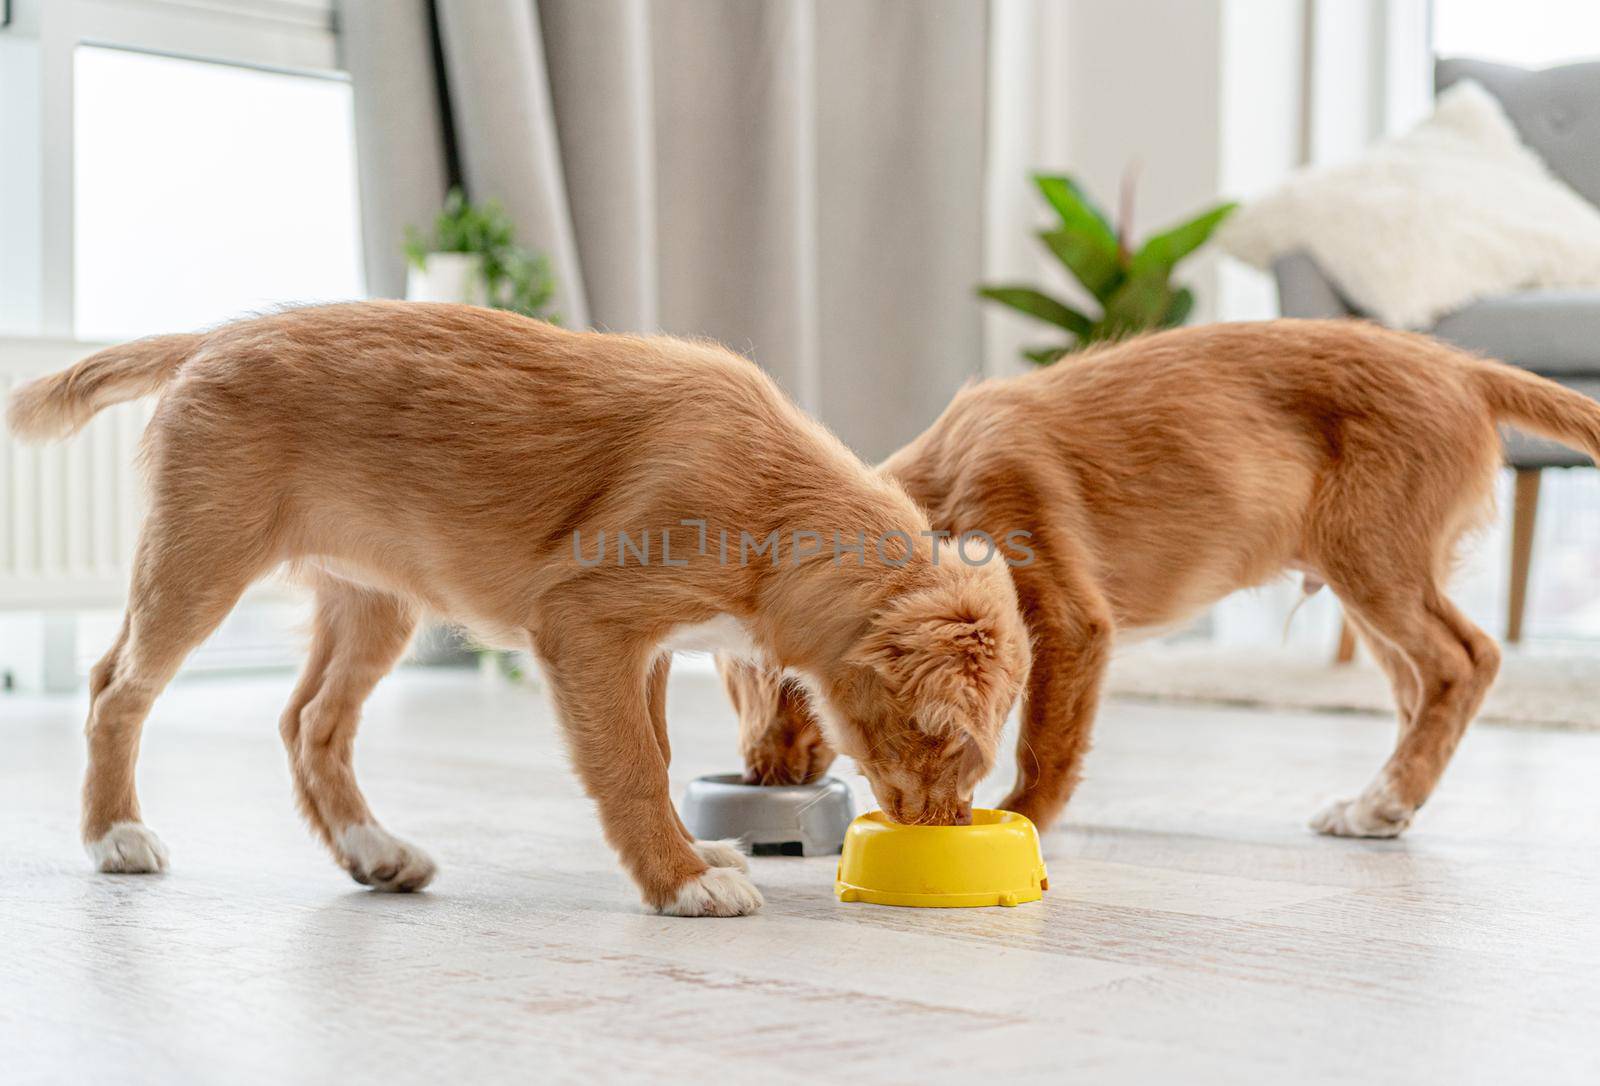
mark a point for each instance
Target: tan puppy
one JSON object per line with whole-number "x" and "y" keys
{"x": 409, "y": 457}
{"x": 1159, "y": 475}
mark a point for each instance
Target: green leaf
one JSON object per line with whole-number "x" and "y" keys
{"x": 1137, "y": 305}
{"x": 416, "y": 247}
{"x": 1095, "y": 266}
{"x": 514, "y": 278}
{"x": 1043, "y": 356}
{"x": 1076, "y": 209}
{"x": 1038, "y": 304}
{"x": 1164, "y": 250}
{"x": 1178, "y": 309}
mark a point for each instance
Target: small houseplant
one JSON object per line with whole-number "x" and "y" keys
{"x": 1134, "y": 288}
{"x": 471, "y": 255}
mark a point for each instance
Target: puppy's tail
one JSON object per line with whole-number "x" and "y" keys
{"x": 62, "y": 403}
{"x": 1540, "y": 406}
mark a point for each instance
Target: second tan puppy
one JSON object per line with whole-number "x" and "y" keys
{"x": 472, "y": 463}
{"x": 1159, "y": 475}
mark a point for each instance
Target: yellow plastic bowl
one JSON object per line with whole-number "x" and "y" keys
{"x": 994, "y": 861}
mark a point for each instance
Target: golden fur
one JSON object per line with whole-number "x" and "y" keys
{"x": 1161, "y": 474}
{"x": 408, "y": 458}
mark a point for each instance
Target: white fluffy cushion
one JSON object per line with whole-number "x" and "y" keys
{"x": 1455, "y": 210}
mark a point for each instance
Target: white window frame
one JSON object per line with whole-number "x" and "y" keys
{"x": 1368, "y": 73}
{"x": 294, "y": 36}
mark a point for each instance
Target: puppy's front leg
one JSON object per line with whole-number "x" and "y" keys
{"x": 602, "y": 696}
{"x": 1072, "y": 630}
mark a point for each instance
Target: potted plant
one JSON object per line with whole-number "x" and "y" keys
{"x": 1133, "y": 287}
{"x": 471, "y": 256}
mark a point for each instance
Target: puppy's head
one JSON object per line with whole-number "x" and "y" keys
{"x": 779, "y": 737}
{"x": 920, "y": 700}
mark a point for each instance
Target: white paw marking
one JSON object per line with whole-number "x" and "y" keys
{"x": 128, "y": 848}
{"x": 720, "y": 891}
{"x": 376, "y": 858}
{"x": 722, "y": 854}
{"x": 1372, "y": 814}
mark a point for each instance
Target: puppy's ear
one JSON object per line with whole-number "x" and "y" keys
{"x": 954, "y": 655}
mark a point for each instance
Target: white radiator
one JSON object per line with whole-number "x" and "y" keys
{"x": 69, "y": 510}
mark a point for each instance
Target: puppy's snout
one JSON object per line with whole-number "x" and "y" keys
{"x": 771, "y": 763}
{"x": 893, "y": 802}
{"x": 958, "y": 815}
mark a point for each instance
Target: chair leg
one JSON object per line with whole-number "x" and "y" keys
{"x": 1524, "y": 514}
{"x": 1347, "y": 643}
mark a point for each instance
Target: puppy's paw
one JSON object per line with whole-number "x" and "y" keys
{"x": 1041, "y": 811}
{"x": 719, "y": 891}
{"x": 1365, "y": 816}
{"x": 376, "y": 858}
{"x": 128, "y": 848}
{"x": 722, "y": 854}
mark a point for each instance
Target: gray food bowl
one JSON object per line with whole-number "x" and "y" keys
{"x": 774, "y": 820}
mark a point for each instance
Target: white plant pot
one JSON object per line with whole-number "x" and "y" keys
{"x": 447, "y": 277}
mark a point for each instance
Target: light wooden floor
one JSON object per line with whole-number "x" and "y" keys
{"x": 1194, "y": 931}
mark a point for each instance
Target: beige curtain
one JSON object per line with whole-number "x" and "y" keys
{"x": 799, "y": 179}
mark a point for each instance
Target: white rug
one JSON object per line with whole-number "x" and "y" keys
{"x": 1551, "y": 691}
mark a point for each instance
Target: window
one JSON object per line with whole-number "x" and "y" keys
{"x": 205, "y": 191}
{"x": 165, "y": 165}
{"x": 1532, "y": 33}
{"x": 171, "y": 164}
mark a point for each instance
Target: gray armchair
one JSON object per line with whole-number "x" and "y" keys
{"x": 1553, "y": 333}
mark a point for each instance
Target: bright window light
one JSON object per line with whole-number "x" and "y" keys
{"x": 206, "y": 192}
{"x": 1532, "y": 33}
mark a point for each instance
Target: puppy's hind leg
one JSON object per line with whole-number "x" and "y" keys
{"x": 359, "y": 635}
{"x": 1396, "y": 666}
{"x": 187, "y": 576}
{"x": 1452, "y": 664}
{"x": 1382, "y": 529}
